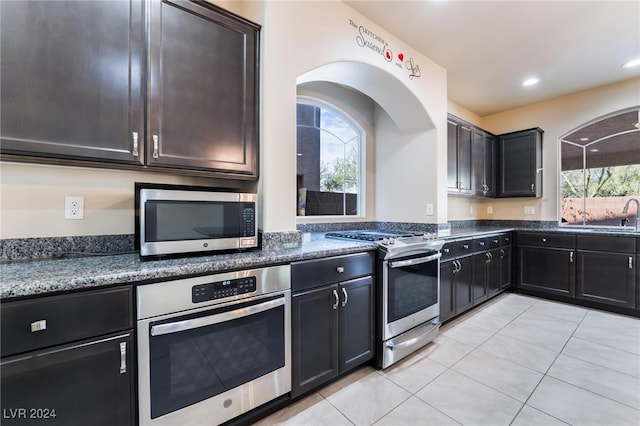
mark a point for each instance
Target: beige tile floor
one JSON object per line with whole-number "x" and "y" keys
{"x": 516, "y": 360}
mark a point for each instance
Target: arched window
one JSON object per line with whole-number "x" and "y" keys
{"x": 329, "y": 150}
{"x": 600, "y": 171}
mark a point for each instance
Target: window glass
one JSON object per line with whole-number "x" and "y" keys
{"x": 600, "y": 172}
{"x": 328, "y": 163}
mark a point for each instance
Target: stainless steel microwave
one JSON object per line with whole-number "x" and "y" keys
{"x": 185, "y": 220}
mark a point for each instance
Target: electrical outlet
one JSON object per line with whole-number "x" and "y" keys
{"x": 489, "y": 209}
{"x": 529, "y": 210}
{"x": 73, "y": 208}
{"x": 429, "y": 209}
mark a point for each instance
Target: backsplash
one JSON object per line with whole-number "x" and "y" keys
{"x": 56, "y": 247}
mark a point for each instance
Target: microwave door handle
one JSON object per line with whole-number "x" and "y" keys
{"x": 174, "y": 327}
{"x": 416, "y": 261}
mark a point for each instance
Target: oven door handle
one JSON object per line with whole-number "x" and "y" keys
{"x": 174, "y": 327}
{"x": 416, "y": 261}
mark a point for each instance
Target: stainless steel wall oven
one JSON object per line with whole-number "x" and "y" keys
{"x": 212, "y": 348}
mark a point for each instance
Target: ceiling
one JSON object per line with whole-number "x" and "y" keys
{"x": 489, "y": 47}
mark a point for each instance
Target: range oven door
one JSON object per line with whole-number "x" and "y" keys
{"x": 211, "y": 365}
{"x": 410, "y": 291}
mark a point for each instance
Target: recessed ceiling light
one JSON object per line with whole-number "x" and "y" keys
{"x": 632, "y": 63}
{"x": 584, "y": 139}
{"x": 594, "y": 150}
{"x": 530, "y": 81}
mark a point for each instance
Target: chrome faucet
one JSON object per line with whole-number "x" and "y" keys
{"x": 625, "y": 210}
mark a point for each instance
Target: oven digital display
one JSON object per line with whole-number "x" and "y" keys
{"x": 222, "y": 289}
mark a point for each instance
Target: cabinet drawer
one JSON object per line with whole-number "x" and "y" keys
{"x": 505, "y": 239}
{"x": 457, "y": 248}
{"x": 541, "y": 239}
{"x": 317, "y": 272}
{"x": 494, "y": 241}
{"x": 38, "y": 323}
{"x": 480, "y": 244}
{"x": 607, "y": 243}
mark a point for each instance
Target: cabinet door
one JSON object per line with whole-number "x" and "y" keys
{"x": 482, "y": 151}
{"x": 356, "y": 323}
{"x": 464, "y": 159}
{"x": 463, "y": 284}
{"x": 71, "y": 79}
{"x": 489, "y": 166}
{"x": 493, "y": 272}
{"x": 606, "y": 278}
{"x": 314, "y": 338}
{"x": 202, "y": 89}
{"x": 547, "y": 269}
{"x": 452, "y": 155}
{"x": 479, "y": 281}
{"x": 519, "y": 164}
{"x": 505, "y": 267}
{"x": 447, "y": 297}
{"x": 85, "y": 383}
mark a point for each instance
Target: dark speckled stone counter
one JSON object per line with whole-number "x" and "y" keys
{"x": 31, "y": 278}
{"x": 37, "y": 277}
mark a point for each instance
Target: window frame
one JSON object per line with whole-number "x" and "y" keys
{"x": 360, "y": 130}
{"x": 561, "y": 141}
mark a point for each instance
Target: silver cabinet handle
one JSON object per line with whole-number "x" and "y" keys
{"x": 346, "y": 297}
{"x": 123, "y": 357}
{"x": 446, "y": 250}
{"x": 38, "y": 326}
{"x": 481, "y": 243}
{"x": 544, "y": 240}
{"x": 156, "y": 147}
{"x": 465, "y": 246}
{"x": 533, "y": 185}
{"x": 458, "y": 266}
{"x": 495, "y": 241}
{"x": 630, "y": 262}
{"x": 135, "y": 144}
{"x": 488, "y": 256}
{"x": 571, "y": 257}
{"x": 340, "y": 269}
{"x": 335, "y": 295}
{"x": 502, "y": 254}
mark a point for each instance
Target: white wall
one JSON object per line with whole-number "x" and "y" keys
{"x": 556, "y": 117}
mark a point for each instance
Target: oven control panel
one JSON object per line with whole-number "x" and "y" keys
{"x": 222, "y": 289}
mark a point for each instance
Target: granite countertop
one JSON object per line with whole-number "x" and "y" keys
{"x": 37, "y": 277}
{"x": 31, "y": 278}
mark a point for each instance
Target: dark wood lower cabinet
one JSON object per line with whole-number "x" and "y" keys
{"x": 548, "y": 270}
{"x": 332, "y": 332}
{"x": 84, "y": 383}
{"x": 607, "y": 278}
{"x": 68, "y": 359}
{"x": 463, "y": 284}
{"x": 505, "y": 267}
{"x": 447, "y": 297}
{"x": 314, "y": 339}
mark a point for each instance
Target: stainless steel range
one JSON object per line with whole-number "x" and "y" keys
{"x": 408, "y": 291}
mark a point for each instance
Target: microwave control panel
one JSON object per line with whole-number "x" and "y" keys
{"x": 222, "y": 289}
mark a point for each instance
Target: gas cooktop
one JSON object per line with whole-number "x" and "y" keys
{"x": 393, "y": 244}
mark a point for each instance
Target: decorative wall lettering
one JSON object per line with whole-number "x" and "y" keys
{"x": 374, "y": 42}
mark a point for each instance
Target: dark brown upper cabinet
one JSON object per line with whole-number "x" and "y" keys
{"x": 203, "y": 109}
{"x": 519, "y": 160}
{"x": 72, "y": 80}
{"x": 458, "y": 156}
{"x": 75, "y": 76}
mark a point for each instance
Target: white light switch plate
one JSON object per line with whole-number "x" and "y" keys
{"x": 429, "y": 209}
{"x": 529, "y": 210}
